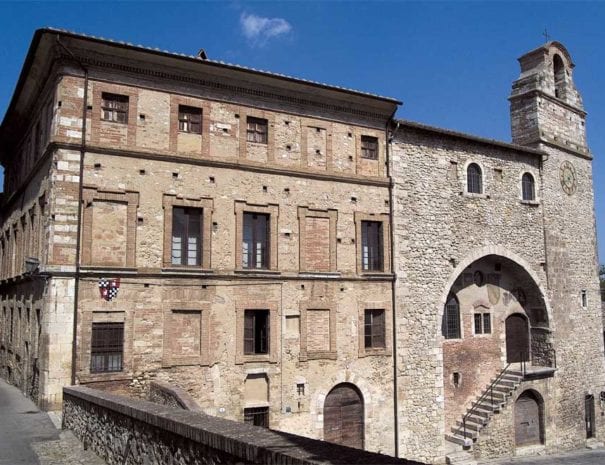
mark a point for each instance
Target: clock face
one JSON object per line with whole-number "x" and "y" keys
{"x": 567, "y": 175}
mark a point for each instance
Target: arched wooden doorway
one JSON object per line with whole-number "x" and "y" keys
{"x": 517, "y": 338}
{"x": 343, "y": 416}
{"x": 529, "y": 424}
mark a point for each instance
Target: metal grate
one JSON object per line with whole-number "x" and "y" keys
{"x": 451, "y": 323}
{"x": 107, "y": 347}
{"x": 257, "y": 416}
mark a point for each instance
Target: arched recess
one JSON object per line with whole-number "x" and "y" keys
{"x": 343, "y": 414}
{"x": 529, "y": 419}
{"x": 475, "y": 256}
{"x": 559, "y": 73}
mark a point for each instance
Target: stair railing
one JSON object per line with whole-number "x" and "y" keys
{"x": 489, "y": 391}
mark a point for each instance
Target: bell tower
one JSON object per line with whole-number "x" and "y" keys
{"x": 545, "y": 105}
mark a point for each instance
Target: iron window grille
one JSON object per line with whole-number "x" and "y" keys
{"x": 374, "y": 330}
{"x": 255, "y": 246}
{"x": 114, "y": 107}
{"x": 451, "y": 319}
{"x": 528, "y": 187}
{"x": 187, "y": 236}
{"x": 256, "y": 332}
{"x": 257, "y": 416}
{"x": 190, "y": 119}
{"x": 372, "y": 246}
{"x": 257, "y": 129}
{"x": 107, "y": 347}
{"x": 483, "y": 323}
{"x": 473, "y": 179}
{"x": 369, "y": 147}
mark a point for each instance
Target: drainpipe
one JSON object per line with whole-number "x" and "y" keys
{"x": 389, "y": 137}
{"x": 74, "y": 351}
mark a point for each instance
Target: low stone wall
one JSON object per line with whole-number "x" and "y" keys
{"x": 167, "y": 394}
{"x": 129, "y": 431}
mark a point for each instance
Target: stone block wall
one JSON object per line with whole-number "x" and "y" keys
{"x": 122, "y": 431}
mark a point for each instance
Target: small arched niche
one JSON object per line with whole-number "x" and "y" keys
{"x": 559, "y": 73}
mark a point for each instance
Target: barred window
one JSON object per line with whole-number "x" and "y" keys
{"x": 257, "y": 416}
{"x": 187, "y": 236}
{"x": 528, "y": 187}
{"x": 474, "y": 184}
{"x": 257, "y": 130}
{"x": 369, "y": 147}
{"x": 371, "y": 246}
{"x": 107, "y": 347}
{"x": 190, "y": 119}
{"x": 451, "y": 319}
{"x": 114, "y": 107}
{"x": 374, "y": 329}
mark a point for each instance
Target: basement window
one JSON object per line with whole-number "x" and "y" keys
{"x": 257, "y": 416}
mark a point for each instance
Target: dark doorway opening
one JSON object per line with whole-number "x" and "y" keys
{"x": 343, "y": 416}
{"x": 517, "y": 338}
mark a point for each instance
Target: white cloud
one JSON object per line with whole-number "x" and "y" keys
{"x": 259, "y": 30}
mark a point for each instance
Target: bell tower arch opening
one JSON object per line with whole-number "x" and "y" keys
{"x": 559, "y": 75}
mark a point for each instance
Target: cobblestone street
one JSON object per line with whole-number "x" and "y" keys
{"x": 579, "y": 457}
{"x": 29, "y": 437}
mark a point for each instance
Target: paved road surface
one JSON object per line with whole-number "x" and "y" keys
{"x": 579, "y": 457}
{"x": 29, "y": 437}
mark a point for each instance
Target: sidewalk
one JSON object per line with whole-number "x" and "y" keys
{"x": 29, "y": 437}
{"x": 578, "y": 457}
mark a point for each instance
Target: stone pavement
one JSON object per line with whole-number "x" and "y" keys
{"x": 29, "y": 437}
{"x": 578, "y": 457}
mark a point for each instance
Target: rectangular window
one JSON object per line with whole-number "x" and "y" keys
{"x": 255, "y": 247}
{"x": 483, "y": 323}
{"x": 374, "y": 329}
{"x": 256, "y": 332}
{"x": 584, "y": 299}
{"x": 190, "y": 119}
{"x": 114, "y": 107}
{"x": 107, "y": 347}
{"x": 187, "y": 236}
{"x": 257, "y": 130}
{"x": 369, "y": 147}
{"x": 257, "y": 416}
{"x": 371, "y": 246}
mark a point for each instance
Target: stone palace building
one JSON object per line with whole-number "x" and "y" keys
{"x": 292, "y": 256}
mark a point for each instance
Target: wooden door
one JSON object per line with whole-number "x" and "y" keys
{"x": 343, "y": 416}
{"x": 589, "y": 412}
{"x": 527, "y": 421}
{"x": 517, "y": 338}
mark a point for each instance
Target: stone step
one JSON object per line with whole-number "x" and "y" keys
{"x": 458, "y": 439}
{"x": 460, "y": 458}
{"x": 473, "y": 422}
{"x": 469, "y": 433}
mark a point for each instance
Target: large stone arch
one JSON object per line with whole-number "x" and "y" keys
{"x": 475, "y": 256}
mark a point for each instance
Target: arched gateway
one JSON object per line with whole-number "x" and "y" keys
{"x": 529, "y": 422}
{"x": 343, "y": 416}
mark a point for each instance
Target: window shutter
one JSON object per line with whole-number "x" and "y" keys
{"x": 248, "y": 332}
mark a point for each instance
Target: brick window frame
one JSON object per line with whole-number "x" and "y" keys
{"x": 110, "y": 314}
{"x": 96, "y": 113}
{"x": 131, "y": 199}
{"x": 305, "y": 125}
{"x": 303, "y": 214}
{"x": 204, "y": 136}
{"x": 170, "y": 201}
{"x": 369, "y": 147}
{"x": 169, "y": 358}
{"x": 305, "y": 307}
{"x": 480, "y": 328}
{"x": 379, "y": 161}
{"x": 274, "y": 331}
{"x": 272, "y": 210}
{"x": 385, "y": 305}
{"x": 386, "y": 243}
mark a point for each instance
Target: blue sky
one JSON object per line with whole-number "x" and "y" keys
{"x": 451, "y": 63}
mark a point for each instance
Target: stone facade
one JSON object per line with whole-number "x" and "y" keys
{"x": 369, "y": 229}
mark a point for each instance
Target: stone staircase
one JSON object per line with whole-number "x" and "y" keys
{"x": 491, "y": 401}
